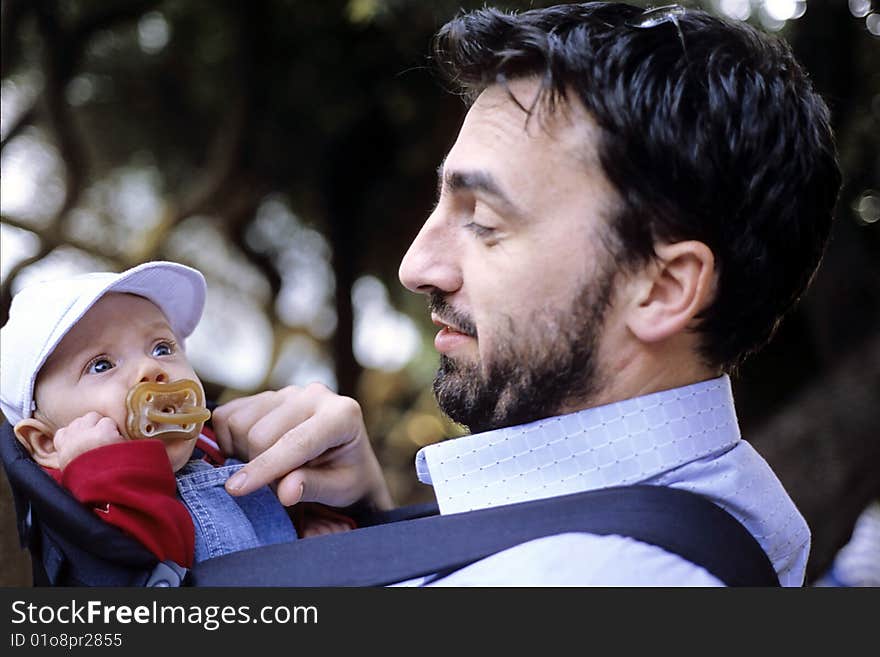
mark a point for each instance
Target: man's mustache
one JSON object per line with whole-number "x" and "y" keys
{"x": 438, "y": 306}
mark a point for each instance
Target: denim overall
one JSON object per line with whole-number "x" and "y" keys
{"x": 224, "y": 523}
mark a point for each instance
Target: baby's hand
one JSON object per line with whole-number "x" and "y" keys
{"x": 316, "y": 520}
{"x": 85, "y": 433}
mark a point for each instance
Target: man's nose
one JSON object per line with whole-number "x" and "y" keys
{"x": 431, "y": 262}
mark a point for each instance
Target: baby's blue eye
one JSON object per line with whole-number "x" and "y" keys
{"x": 99, "y": 365}
{"x": 163, "y": 349}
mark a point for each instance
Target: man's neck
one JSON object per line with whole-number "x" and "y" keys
{"x": 644, "y": 371}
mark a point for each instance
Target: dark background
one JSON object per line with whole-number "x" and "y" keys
{"x": 288, "y": 150}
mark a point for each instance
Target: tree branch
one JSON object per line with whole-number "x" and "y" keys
{"x": 61, "y": 57}
{"x": 109, "y": 15}
{"x": 21, "y": 121}
{"x": 50, "y": 239}
{"x": 219, "y": 187}
{"x": 11, "y": 14}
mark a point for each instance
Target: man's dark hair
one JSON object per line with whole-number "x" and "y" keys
{"x": 710, "y": 130}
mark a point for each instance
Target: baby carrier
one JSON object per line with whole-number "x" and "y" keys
{"x": 71, "y": 546}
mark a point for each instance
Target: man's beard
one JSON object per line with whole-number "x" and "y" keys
{"x": 535, "y": 372}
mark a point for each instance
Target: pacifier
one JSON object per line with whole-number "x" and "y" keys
{"x": 168, "y": 411}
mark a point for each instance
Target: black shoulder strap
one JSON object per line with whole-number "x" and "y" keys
{"x": 680, "y": 522}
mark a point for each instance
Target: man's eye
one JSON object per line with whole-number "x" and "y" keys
{"x": 479, "y": 230}
{"x": 163, "y": 348}
{"x": 99, "y": 365}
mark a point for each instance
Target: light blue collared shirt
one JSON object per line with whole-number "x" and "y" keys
{"x": 686, "y": 438}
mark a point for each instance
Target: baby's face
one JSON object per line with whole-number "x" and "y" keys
{"x": 121, "y": 341}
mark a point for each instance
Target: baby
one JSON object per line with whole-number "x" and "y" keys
{"x": 98, "y": 388}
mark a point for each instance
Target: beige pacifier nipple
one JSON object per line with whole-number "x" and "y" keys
{"x": 168, "y": 411}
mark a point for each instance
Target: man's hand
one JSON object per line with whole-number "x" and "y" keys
{"x": 311, "y": 441}
{"x": 85, "y": 433}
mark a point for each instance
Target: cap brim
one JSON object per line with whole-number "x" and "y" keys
{"x": 177, "y": 290}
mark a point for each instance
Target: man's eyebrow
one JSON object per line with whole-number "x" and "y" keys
{"x": 477, "y": 181}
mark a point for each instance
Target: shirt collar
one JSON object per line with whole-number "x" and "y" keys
{"x": 617, "y": 444}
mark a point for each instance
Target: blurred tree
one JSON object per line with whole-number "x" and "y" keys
{"x": 288, "y": 149}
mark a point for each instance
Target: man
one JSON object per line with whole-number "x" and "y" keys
{"x": 634, "y": 201}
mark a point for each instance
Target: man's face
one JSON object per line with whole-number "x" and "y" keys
{"x": 121, "y": 341}
{"x": 513, "y": 261}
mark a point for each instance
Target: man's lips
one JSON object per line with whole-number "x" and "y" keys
{"x": 449, "y": 337}
{"x": 439, "y": 322}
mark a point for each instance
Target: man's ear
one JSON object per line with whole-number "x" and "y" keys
{"x": 672, "y": 290}
{"x": 38, "y": 439}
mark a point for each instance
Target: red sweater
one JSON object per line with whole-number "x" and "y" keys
{"x": 131, "y": 485}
